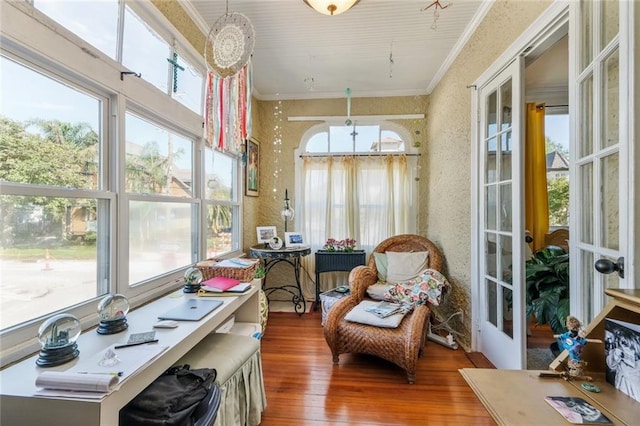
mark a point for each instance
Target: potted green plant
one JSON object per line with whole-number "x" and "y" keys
{"x": 547, "y": 279}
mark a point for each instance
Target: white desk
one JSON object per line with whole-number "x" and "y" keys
{"x": 19, "y": 406}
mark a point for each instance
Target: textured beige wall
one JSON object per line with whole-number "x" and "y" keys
{"x": 447, "y": 161}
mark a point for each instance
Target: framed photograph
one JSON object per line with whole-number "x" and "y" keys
{"x": 265, "y": 233}
{"x": 252, "y": 170}
{"x": 293, "y": 239}
{"x": 622, "y": 356}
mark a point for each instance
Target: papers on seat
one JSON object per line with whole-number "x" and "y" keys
{"x": 384, "y": 309}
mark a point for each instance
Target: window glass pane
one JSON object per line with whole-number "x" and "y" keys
{"x": 368, "y": 138}
{"x": 490, "y": 207}
{"x": 318, "y": 142}
{"x": 506, "y": 219}
{"x": 219, "y": 172}
{"x": 222, "y": 229}
{"x": 491, "y": 167}
{"x": 49, "y": 131}
{"x": 159, "y": 238}
{"x": 48, "y": 255}
{"x": 189, "y": 88}
{"x": 389, "y": 142}
{"x": 340, "y": 139}
{"x": 94, "y": 21}
{"x": 145, "y": 52}
{"x": 158, "y": 161}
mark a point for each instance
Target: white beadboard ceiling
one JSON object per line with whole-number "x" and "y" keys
{"x": 302, "y": 54}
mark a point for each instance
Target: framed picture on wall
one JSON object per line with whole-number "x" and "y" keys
{"x": 252, "y": 170}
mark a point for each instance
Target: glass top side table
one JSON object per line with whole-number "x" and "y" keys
{"x": 271, "y": 257}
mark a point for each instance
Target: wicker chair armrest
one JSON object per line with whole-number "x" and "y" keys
{"x": 360, "y": 278}
{"x": 419, "y": 320}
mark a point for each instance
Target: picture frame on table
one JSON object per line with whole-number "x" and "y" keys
{"x": 265, "y": 233}
{"x": 293, "y": 239}
{"x": 252, "y": 170}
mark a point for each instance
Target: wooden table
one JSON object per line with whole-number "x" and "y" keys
{"x": 516, "y": 397}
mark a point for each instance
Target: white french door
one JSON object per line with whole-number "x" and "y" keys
{"x": 501, "y": 229}
{"x": 601, "y": 163}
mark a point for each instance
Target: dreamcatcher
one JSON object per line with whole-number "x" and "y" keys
{"x": 229, "y": 44}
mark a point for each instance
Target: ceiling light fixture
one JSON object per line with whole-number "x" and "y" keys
{"x": 331, "y": 7}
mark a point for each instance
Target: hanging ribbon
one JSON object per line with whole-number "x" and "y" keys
{"x": 228, "y": 110}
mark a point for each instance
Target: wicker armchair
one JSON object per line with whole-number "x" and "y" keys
{"x": 401, "y": 345}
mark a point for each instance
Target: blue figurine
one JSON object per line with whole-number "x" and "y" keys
{"x": 573, "y": 340}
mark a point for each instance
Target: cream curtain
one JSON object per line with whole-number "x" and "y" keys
{"x": 368, "y": 198}
{"x": 536, "y": 199}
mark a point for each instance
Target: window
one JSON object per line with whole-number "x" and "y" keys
{"x": 99, "y": 194}
{"x": 357, "y": 182}
{"x": 162, "y": 212}
{"x": 52, "y": 201}
{"x": 222, "y": 204}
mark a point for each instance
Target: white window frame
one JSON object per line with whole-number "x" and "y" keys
{"x": 32, "y": 37}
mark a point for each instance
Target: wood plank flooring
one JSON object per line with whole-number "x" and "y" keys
{"x": 304, "y": 387}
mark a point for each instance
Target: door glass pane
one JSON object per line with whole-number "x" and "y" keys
{"x": 492, "y": 117}
{"x": 586, "y": 281}
{"x": 505, "y": 155}
{"x": 610, "y": 21}
{"x": 490, "y": 206}
{"x": 491, "y": 165}
{"x": 505, "y": 105}
{"x": 585, "y": 140}
{"x": 491, "y": 257}
{"x": 611, "y": 107}
{"x": 507, "y": 312}
{"x": 586, "y": 29}
{"x": 610, "y": 225}
{"x": 145, "y": 52}
{"x": 505, "y": 208}
{"x": 492, "y": 302}
{"x": 506, "y": 259}
{"x": 586, "y": 198}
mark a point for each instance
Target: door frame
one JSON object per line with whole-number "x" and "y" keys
{"x": 541, "y": 31}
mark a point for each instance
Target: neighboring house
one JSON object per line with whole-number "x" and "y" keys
{"x": 557, "y": 165}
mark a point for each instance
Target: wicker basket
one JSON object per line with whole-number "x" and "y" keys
{"x": 210, "y": 269}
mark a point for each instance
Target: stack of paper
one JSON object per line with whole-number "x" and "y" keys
{"x": 384, "y": 309}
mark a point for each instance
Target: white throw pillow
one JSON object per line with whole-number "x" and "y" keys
{"x": 403, "y": 266}
{"x": 360, "y": 315}
{"x": 376, "y": 291}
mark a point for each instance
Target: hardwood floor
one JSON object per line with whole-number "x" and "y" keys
{"x": 304, "y": 387}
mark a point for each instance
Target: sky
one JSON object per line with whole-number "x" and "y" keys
{"x": 557, "y": 129}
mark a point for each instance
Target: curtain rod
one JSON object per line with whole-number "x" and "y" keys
{"x": 373, "y": 154}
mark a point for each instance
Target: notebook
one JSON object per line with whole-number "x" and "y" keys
{"x": 221, "y": 283}
{"x": 191, "y": 310}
